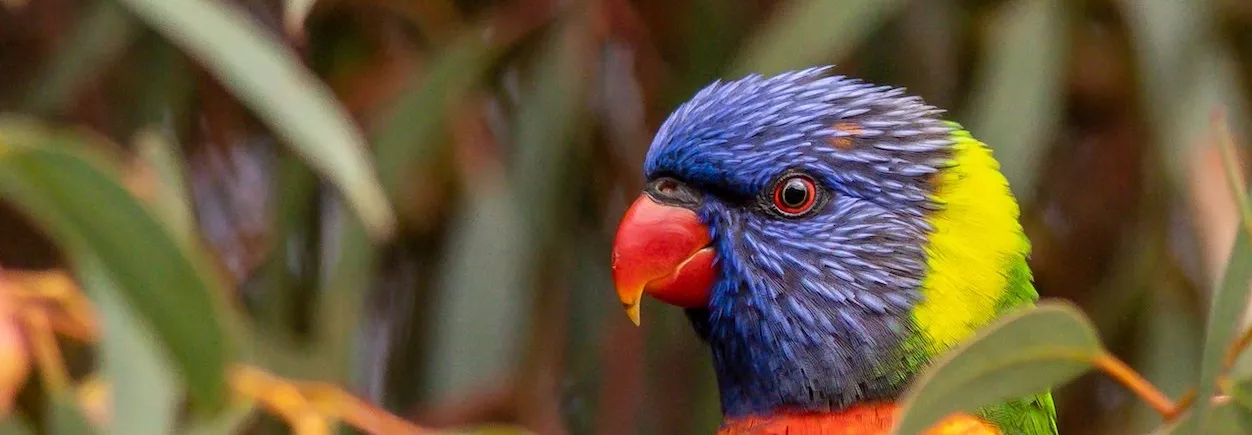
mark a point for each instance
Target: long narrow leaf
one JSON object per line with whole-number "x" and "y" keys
{"x": 810, "y": 32}
{"x": 78, "y": 198}
{"x": 102, "y": 33}
{"x": 145, "y": 392}
{"x": 1230, "y": 298}
{"x": 65, "y": 417}
{"x": 1019, "y": 96}
{"x": 269, "y": 79}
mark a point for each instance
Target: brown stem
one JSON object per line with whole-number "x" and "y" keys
{"x": 1236, "y": 348}
{"x": 1131, "y": 379}
{"x": 1185, "y": 401}
{"x": 356, "y": 412}
{"x": 305, "y": 406}
{"x": 47, "y": 355}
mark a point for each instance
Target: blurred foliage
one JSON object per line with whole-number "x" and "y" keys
{"x": 415, "y": 199}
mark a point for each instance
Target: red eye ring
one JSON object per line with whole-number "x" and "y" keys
{"x": 795, "y": 195}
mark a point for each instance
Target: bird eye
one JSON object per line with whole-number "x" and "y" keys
{"x": 795, "y": 195}
{"x": 667, "y": 186}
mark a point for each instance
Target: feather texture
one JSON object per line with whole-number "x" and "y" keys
{"x": 866, "y": 419}
{"x": 914, "y": 245}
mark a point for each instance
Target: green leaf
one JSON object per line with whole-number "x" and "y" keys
{"x": 809, "y": 32}
{"x": 1230, "y": 418}
{"x": 1241, "y": 392}
{"x": 1185, "y": 73}
{"x": 285, "y": 95}
{"x": 413, "y": 128}
{"x": 145, "y": 391}
{"x": 229, "y": 422}
{"x": 1017, "y": 101}
{"x": 15, "y": 424}
{"x": 64, "y": 417}
{"x": 408, "y": 140}
{"x": 1025, "y": 353}
{"x": 1229, "y": 300}
{"x": 102, "y": 33}
{"x": 1225, "y": 416}
{"x": 494, "y": 242}
{"x": 77, "y": 197}
{"x": 171, "y": 203}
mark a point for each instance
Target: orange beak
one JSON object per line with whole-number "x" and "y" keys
{"x": 664, "y": 251}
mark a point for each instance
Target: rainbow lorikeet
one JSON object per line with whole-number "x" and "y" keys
{"x": 827, "y": 238}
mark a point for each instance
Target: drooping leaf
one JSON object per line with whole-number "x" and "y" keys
{"x": 78, "y": 198}
{"x": 1225, "y": 416}
{"x": 1018, "y": 97}
{"x": 15, "y": 424}
{"x": 1185, "y": 74}
{"x": 1228, "y": 417}
{"x": 411, "y": 129}
{"x": 170, "y": 200}
{"x": 407, "y": 140}
{"x": 809, "y": 32}
{"x": 102, "y": 33}
{"x": 1230, "y": 299}
{"x": 63, "y": 416}
{"x": 489, "y": 271}
{"x": 270, "y": 80}
{"x": 228, "y": 422}
{"x": 144, "y": 390}
{"x": 1025, "y": 353}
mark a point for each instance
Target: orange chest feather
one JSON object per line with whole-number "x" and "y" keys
{"x": 874, "y": 419}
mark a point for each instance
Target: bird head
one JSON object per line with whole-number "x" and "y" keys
{"x": 826, "y": 237}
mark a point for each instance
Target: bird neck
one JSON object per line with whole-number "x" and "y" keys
{"x": 976, "y": 270}
{"x": 976, "y": 253}
{"x": 866, "y": 419}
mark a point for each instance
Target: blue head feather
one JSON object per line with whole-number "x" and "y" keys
{"x": 808, "y": 313}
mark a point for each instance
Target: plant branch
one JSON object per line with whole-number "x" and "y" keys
{"x": 1134, "y": 382}
{"x": 1236, "y": 348}
{"x": 47, "y": 354}
{"x": 309, "y": 406}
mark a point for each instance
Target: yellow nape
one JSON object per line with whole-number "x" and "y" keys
{"x": 976, "y": 240}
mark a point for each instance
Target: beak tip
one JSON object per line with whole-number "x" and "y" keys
{"x": 632, "y": 311}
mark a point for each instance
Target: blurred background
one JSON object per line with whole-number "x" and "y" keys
{"x": 509, "y": 137}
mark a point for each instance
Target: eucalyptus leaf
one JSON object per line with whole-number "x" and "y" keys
{"x": 270, "y": 79}
{"x": 63, "y": 416}
{"x": 229, "y": 422}
{"x": 102, "y": 33}
{"x": 1230, "y": 299}
{"x": 78, "y": 198}
{"x": 1224, "y": 417}
{"x": 1241, "y": 392}
{"x": 1025, "y": 353}
{"x": 810, "y": 32}
{"x": 1230, "y": 417}
{"x": 15, "y": 424}
{"x": 1017, "y": 101}
{"x": 412, "y": 128}
{"x": 491, "y": 267}
{"x": 171, "y": 203}
{"x": 145, "y": 390}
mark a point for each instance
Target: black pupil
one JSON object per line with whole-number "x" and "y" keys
{"x": 795, "y": 193}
